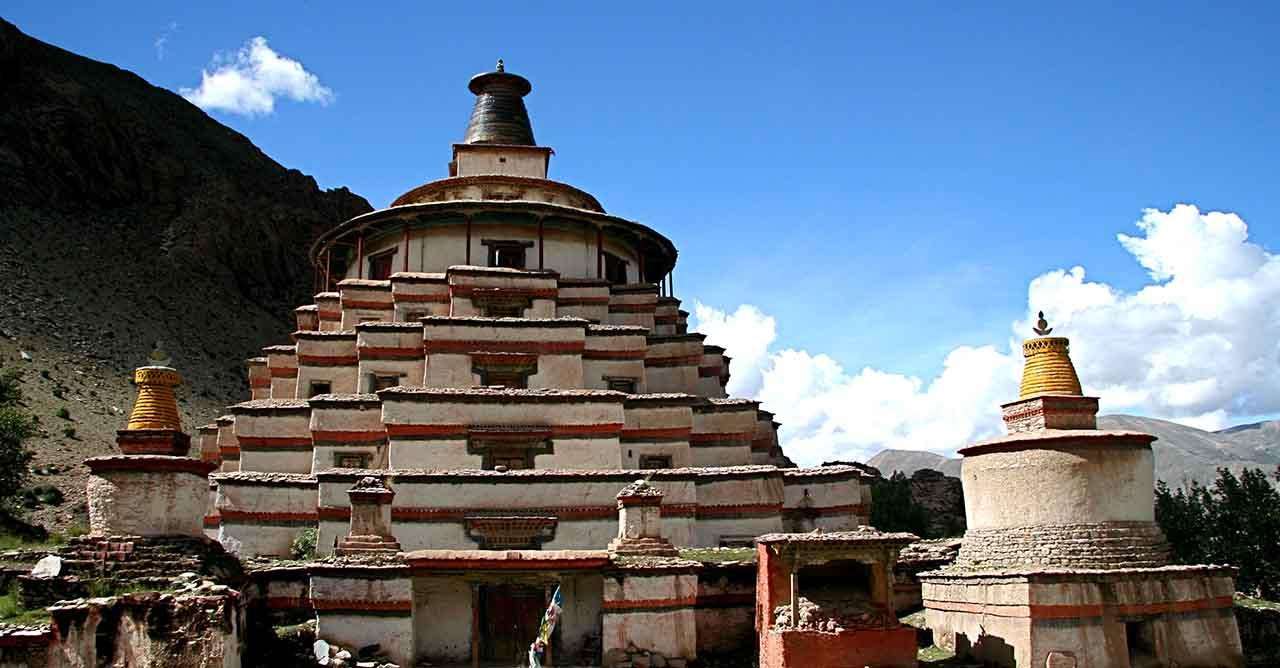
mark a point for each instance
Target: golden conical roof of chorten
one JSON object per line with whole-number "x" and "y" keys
{"x": 1047, "y": 368}
{"x": 156, "y": 406}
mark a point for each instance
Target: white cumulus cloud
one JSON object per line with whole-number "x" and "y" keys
{"x": 249, "y": 81}
{"x": 1199, "y": 344}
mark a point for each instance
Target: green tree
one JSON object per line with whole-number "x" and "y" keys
{"x": 894, "y": 509}
{"x": 15, "y": 428}
{"x": 1236, "y": 522}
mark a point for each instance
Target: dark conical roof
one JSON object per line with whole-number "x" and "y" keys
{"x": 499, "y": 116}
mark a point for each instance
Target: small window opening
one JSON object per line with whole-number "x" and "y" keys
{"x": 513, "y": 461}
{"x": 615, "y": 269}
{"x": 627, "y": 385}
{"x": 508, "y": 254}
{"x": 655, "y": 461}
{"x": 352, "y": 460}
{"x": 509, "y": 378}
{"x": 319, "y": 387}
{"x": 383, "y": 381}
{"x": 380, "y": 265}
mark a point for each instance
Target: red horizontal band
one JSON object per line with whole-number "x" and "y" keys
{"x": 582, "y": 301}
{"x": 727, "y": 438}
{"x": 613, "y": 355}
{"x": 665, "y": 434}
{"x": 710, "y": 371}
{"x": 347, "y": 436}
{"x": 535, "y": 347}
{"x": 739, "y": 510}
{"x": 254, "y": 516}
{"x": 391, "y": 353}
{"x": 428, "y": 563}
{"x": 360, "y": 605}
{"x": 260, "y": 381}
{"x": 283, "y": 372}
{"x": 632, "y": 308}
{"x": 676, "y": 360}
{"x": 467, "y": 291}
{"x": 328, "y": 360}
{"x": 438, "y": 298}
{"x": 371, "y": 305}
{"x": 553, "y": 431}
{"x": 439, "y": 514}
{"x": 329, "y": 315}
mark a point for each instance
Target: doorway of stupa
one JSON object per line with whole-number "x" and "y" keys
{"x": 510, "y": 614}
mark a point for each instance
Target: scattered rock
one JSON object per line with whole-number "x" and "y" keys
{"x": 48, "y": 567}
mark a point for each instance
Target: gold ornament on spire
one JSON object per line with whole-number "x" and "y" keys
{"x": 156, "y": 406}
{"x": 501, "y": 66}
{"x": 1042, "y": 326}
{"x": 1047, "y": 368}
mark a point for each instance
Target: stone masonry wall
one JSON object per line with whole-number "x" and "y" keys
{"x": 1102, "y": 545}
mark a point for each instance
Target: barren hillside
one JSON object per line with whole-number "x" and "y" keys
{"x": 127, "y": 216}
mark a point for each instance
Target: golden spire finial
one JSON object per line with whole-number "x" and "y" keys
{"x": 1042, "y": 326}
{"x": 156, "y": 407}
{"x": 1047, "y": 368}
{"x": 501, "y": 66}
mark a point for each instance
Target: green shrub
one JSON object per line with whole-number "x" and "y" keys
{"x": 303, "y": 546}
{"x": 63, "y": 413}
{"x": 69, "y": 432}
{"x": 10, "y": 391}
{"x": 1234, "y": 522}
{"x": 15, "y": 428}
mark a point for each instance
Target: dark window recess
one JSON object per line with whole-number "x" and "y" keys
{"x": 509, "y": 254}
{"x": 351, "y": 460}
{"x": 627, "y": 385}
{"x": 380, "y": 265}
{"x": 317, "y": 388}
{"x": 615, "y": 269}
{"x": 514, "y": 460}
{"x": 513, "y": 379}
{"x": 383, "y": 382}
{"x": 503, "y": 311}
{"x": 655, "y": 461}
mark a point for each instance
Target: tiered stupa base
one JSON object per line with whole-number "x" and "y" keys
{"x": 147, "y": 495}
{"x": 356, "y": 545}
{"x": 1174, "y": 615}
{"x": 642, "y": 547}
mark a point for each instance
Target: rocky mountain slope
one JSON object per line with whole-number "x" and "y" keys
{"x": 910, "y": 461}
{"x": 129, "y": 216}
{"x": 1182, "y": 453}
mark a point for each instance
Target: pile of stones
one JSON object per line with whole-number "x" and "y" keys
{"x": 336, "y": 657}
{"x": 634, "y": 657}
{"x": 828, "y": 616}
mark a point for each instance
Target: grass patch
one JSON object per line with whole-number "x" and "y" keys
{"x": 915, "y": 619}
{"x": 934, "y": 655}
{"x": 1245, "y": 601}
{"x": 12, "y": 612}
{"x": 105, "y": 588}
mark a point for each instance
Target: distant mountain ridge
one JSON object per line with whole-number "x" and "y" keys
{"x": 129, "y": 216}
{"x": 1182, "y": 453}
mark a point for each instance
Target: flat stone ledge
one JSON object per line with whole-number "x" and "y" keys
{"x": 625, "y": 476}
{"x": 1027, "y": 440}
{"x": 149, "y": 464}
{"x": 500, "y": 395}
{"x": 481, "y": 321}
{"x": 258, "y": 406}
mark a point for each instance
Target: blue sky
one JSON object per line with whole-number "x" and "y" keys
{"x": 884, "y": 179}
